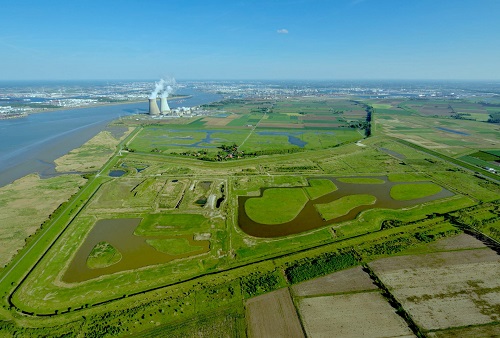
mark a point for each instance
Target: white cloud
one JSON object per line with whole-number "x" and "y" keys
{"x": 282, "y": 31}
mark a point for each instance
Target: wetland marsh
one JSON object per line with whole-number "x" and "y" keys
{"x": 136, "y": 251}
{"x": 310, "y": 215}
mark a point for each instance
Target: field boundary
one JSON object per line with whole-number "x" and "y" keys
{"x": 457, "y": 162}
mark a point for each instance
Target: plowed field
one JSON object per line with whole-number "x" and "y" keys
{"x": 273, "y": 315}
{"x": 447, "y": 289}
{"x": 355, "y": 315}
{"x": 343, "y": 281}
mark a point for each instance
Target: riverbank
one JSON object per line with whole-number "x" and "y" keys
{"x": 31, "y": 144}
{"x": 92, "y": 155}
{"x": 94, "y": 105}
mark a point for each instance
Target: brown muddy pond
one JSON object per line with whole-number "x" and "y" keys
{"x": 136, "y": 253}
{"x": 309, "y": 218}
{"x": 205, "y": 185}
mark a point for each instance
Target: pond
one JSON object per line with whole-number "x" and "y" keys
{"x": 205, "y": 142}
{"x": 117, "y": 173}
{"x": 205, "y": 185}
{"x": 292, "y": 137}
{"x": 309, "y": 218}
{"x": 452, "y": 131}
{"x": 393, "y": 153}
{"x": 136, "y": 253}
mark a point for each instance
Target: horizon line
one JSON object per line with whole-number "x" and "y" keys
{"x": 256, "y": 79}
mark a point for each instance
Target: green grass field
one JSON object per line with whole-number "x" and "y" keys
{"x": 319, "y": 187}
{"x": 26, "y": 204}
{"x": 404, "y": 192}
{"x": 361, "y": 180}
{"x": 343, "y": 205}
{"x": 277, "y": 205}
{"x": 173, "y": 246}
{"x": 171, "y": 224}
{"x": 480, "y": 162}
{"x": 185, "y": 139}
{"x": 407, "y": 177}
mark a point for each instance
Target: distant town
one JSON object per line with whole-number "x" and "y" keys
{"x": 20, "y": 99}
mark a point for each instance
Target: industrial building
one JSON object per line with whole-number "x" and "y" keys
{"x": 153, "y": 106}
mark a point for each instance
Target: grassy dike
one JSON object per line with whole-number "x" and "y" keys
{"x": 27, "y": 204}
{"x": 27, "y": 259}
{"x": 22, "y": 264}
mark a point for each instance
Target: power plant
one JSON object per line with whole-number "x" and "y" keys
{"x": 165, "y": 91}
{"x": 153, "y": 107}
{"x": 164, "y": 108}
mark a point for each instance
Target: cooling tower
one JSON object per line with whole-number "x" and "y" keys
{"x": 153, "y": 107}
{"x": 164, "y": 108}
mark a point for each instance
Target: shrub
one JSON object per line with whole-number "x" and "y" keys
{"x": 319, "y": 266}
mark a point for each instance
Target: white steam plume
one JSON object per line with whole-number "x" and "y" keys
{"x": 169, "y": 89}
{"x": 158, "y": 88}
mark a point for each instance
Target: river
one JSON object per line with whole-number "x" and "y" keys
{"x": 31, "y": 144}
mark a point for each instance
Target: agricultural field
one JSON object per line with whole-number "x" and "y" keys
{"x": 351, "y": 315}
{"x": 445, "y": 290}
{"x": 484, "y": 159}
{"x": 357, "y": 300}
{"x": 266, "y": 217}
{"x": 436, "y": 125}
{"x": 349, "y": 280}
{"x": 438, "y": 108}
{"x": 273, "y": 315}
{"x": 259, "y": 127}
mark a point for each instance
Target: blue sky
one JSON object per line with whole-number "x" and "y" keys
{"x": 273, "y": 39}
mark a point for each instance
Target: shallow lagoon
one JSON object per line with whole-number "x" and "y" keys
{"x": 309, "y": 218}
{"x": 136, "y": 253}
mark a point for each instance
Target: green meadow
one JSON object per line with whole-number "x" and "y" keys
{"x": 343, "y": 205}
{"x": 277, "y": 205}
{"x": 403, "y": 192}
{"x": 103, "y": 255}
